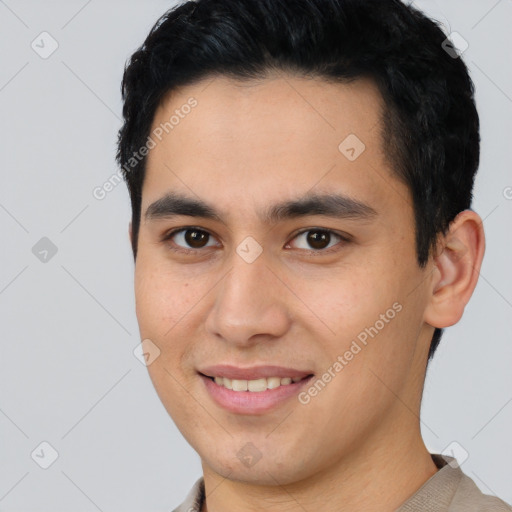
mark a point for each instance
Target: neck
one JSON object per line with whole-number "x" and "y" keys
{"x": 379, "y": 476}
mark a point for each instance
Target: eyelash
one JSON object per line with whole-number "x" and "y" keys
{"x": 176, "y": 248}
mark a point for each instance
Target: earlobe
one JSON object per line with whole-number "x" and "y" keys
{"x": 456, "y": 270}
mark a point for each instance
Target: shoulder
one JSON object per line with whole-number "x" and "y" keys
{"x": 451, "y": 490}
{"x": 469, "y": 497}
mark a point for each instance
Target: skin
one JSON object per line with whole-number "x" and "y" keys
{"x": 245, "y": 146}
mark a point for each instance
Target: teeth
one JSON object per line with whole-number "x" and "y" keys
{"x": 255, "y": 385}
{"x": 273, "y": 382}
{"x": 239, "y": 385}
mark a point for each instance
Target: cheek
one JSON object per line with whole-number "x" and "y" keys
{"x": 347, "y": 299}
{"x": 165, "y": 313}
{"x": 366, "y": 309}
{"x": 161, "y": 297}
{"x": 170, "y": 308}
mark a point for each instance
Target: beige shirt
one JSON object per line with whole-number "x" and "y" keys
{"x": 449, "y": 490}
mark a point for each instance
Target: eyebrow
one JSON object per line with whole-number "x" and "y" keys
{"x": 331, "y": 205}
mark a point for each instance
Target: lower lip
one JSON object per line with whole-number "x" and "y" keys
{"x": 252, "y": 402}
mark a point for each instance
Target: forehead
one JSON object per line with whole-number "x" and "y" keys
{"x": 260, "y": 140}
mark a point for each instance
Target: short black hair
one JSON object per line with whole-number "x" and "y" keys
{"x": 430, "y": 125}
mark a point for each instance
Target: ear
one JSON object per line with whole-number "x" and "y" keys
{"x": 456, "y": 270}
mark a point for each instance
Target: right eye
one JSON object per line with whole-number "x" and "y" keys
{"x": 188, "y": 240}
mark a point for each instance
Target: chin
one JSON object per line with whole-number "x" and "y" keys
{"x": 239, "y": 460}
{"x": 262, "y": 473}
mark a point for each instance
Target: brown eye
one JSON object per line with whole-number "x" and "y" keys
{"x": 195, "y": 238}
{"x": 318, "y": 240}
{"x": 189, "y": 239}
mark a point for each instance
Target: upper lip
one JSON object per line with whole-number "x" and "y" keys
{"x": 252, "y": 373}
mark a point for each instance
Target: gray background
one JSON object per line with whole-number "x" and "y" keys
{"x": 68, "y": 328}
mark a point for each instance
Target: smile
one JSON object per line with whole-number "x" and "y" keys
{"x": 256, "y": 385}
{"x": 254, "y": 396}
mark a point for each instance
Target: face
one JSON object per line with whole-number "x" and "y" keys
{"x": 275, "y": 242}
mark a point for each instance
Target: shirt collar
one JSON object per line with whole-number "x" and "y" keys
{"x": 436, "y": 494}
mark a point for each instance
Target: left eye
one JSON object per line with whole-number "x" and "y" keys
{"x": 318, "y": 239}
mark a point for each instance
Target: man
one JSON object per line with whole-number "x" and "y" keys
{"x": 300, "y": 176}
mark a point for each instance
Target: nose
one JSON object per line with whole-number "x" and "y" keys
{"x": 249, "y": 305}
